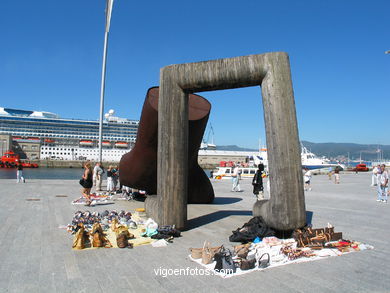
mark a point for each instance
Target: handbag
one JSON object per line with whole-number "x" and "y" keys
{"x": 207, "y": 254}
{"x": 247, "y": 264}
{"x": 241, "y": 250}
{"x": 82, "y": 182}
{"x": 225, "y": 263}
{"x": 264, "y": 261}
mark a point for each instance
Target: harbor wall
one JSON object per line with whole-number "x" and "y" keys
{"x": 205, "y": 161}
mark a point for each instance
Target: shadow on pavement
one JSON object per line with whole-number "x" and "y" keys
{"x": 226, "y": 200}
{"x": 215, "y": 216}
{"x": 309, "y": 217}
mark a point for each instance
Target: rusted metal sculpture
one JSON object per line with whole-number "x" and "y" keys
{"x": 138, "y": 168}
{"x": 285, "y": 210}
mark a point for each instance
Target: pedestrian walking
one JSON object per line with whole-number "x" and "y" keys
{"x": 374, "y": 176}
{"x": 306, "y": 179}
{"x": 110, "y": 185}
{"x": 383, "y": 182}
{"x": 115, "y": 176}
{"x": 257, "y": 182}
{"x": 337, "y": 175}
{"x": 236, "y": 179}
{"x": 86, "y": 183}
{"x": 98, "y": 176}
{"x": 94, "y": 176}
{"x": 19, "y": 173}
{"x": 330, "y": 173}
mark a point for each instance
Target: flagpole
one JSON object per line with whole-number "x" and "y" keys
{"x": 109, "y": 4}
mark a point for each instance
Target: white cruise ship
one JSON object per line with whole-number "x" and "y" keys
{"x": 52, "y": 137}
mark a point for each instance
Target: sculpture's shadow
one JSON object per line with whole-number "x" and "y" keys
{"x": 309, "y": 217}
{"x": 213, "y": 217}
{"x": 226, "y": 200}
{"x": 219, "y": 215}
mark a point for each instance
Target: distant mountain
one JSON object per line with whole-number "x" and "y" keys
{"x": 234, "y": 148}
{"x": 368, "y": 152}
{"x": 332, "y": 150}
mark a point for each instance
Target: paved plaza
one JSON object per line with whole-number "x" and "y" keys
{"x": 36, "y": 255}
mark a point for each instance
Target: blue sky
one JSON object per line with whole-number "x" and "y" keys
{"x": 51, "y": 56}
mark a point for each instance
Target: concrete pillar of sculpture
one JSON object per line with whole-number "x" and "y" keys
{"x": 286, "y": 208}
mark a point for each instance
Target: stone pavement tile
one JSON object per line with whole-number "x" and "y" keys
{"x": 5, "y": 278}
{"x": 46, "y": 282}
{"x": 91, "y": 283}
{"x": 356, "y": 270}
{"x": 137, "y": 284}
{"x": 338, "y": 280}
{"x": 75, "y": 285}
{"x": 71, "y": 266}
{"x": 17, "y": 282}
{"x": 300, "y": 279}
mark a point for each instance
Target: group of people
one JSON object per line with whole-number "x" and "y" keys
{"x": 257, "y": 181}
{"x": 94, "y": 177}
{"x": 380, "y": 178}
{"x": 307, "y": 177}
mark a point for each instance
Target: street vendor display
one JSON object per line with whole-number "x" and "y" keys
{"x": 112, "y": 229}
{"x": 260, "y": 249}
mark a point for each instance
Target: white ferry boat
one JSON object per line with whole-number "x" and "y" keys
{"x": 226, "y": 172}
{"x": 44, "y": 135}
{"x": 312, "y": 162}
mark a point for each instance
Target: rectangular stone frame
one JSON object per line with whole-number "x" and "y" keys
{"x": 285, "y": 210}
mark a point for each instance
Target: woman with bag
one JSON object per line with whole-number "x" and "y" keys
{"x": 257, "y": 182}
{"x": 86, "y": 183}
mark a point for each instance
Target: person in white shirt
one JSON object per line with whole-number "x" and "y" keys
{"x": 383, "y": 181}
{"x": 236, "y": 179}
{"x": 94, "y": 174}
{"x": 306, "y": 179}
{"x": 374, "y": 177}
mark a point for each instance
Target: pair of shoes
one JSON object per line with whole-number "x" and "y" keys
{"x": 378, "y": 200}
{"x": 383, "y": 200}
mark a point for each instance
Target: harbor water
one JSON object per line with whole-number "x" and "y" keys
{"x": 48, "y": 173}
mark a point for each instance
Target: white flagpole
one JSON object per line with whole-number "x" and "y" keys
{"x": 109, "y": 4}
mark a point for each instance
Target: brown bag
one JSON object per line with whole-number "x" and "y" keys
{"x": 247, "y": 264}
{"x": 196, "y": 253}
{"x": 242, "y": 250}
{"x": 207, "y": 254}
{"x": 309, "y": 237}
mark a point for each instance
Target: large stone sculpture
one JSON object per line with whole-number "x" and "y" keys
{"x": 138, "y": 168}
{"x": 285, "y": 210}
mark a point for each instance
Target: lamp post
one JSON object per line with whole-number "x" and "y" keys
{"x": 109, "y": 4}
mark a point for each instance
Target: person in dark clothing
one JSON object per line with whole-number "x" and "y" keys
{"x": 257, "y": 182}
{"x": 88, "y": 183}
{"x": 19, "y": 173}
